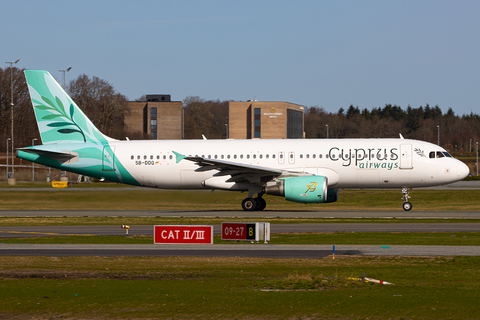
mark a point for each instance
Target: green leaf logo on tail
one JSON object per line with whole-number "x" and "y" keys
{"x": 60, "y": 114}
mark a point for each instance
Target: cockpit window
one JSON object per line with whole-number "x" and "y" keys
{"x": 439, "y": 154}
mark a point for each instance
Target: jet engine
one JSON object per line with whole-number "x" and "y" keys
{"x": 307, "y": 189}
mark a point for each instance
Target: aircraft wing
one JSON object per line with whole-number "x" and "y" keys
{"x": 238, "y": 171}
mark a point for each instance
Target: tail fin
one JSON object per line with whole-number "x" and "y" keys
{"x": 59, "y": 119}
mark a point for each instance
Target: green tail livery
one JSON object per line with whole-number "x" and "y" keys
{"x": 70, "y": 140}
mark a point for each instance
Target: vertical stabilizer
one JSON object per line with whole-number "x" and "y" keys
{"x": 59, "y": 119}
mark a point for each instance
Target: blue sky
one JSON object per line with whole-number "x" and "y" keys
{"x": 316, "y": 53}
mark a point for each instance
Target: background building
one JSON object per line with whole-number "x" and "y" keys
{"x": 265, "y": 120}
{"x": 158, "y": 118}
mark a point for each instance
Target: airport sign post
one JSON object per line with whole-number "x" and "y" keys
{"x": 254, "y": 231}
{"x": 183, "y": 234}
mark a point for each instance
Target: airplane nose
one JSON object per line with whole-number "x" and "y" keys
{"x": 462, "y": 170}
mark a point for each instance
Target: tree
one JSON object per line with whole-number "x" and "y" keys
{"x": 101, "y": 103}
{"x": 207, "y": 117}
{"x": 24, "y": 126}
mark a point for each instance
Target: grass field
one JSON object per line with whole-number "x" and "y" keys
{"x": 238, "y": 288}
{"x": 115, "y": 198}
{"x": 373, "y": 238}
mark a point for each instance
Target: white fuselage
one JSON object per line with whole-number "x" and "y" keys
{"x": 348, "y": 163}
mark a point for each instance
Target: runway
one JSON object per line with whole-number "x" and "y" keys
{"x": 240, "y": 250}
{"x": 244, "y": 214}
{"x": 234, "y": 250}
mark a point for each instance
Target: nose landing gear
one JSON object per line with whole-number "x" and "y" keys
{"x": 407, "y": 206}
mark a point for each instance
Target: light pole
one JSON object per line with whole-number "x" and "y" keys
{"x": 11, "y": 105}
{"x": 327, "y": 130}
{"x": 33, "y": 163}
{"x": 438, "y": 132}
{"x": 226, "y": 129}
{"x": 68, "y": 69}
{"x": 477, "y": 158}
{"x": 7, "y": 156}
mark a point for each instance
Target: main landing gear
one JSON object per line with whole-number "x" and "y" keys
{"x": 407, "y": 206}
{"x": 254, "y": 204}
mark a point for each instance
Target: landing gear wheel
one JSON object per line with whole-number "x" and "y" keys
{"x": 407, "y": 206}
{"x": 260, "y": 203}
{"x": 249, "y": 204}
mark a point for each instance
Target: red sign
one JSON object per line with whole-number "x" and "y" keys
{"x": 183, "y": 234}
{"x": 238, "y": 231}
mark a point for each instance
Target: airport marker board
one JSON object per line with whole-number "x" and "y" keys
{"x": 183, "y": 234}
{"x": 254, "y": 231}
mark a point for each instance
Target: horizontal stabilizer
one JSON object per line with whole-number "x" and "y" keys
{"x": 62, "y": 156}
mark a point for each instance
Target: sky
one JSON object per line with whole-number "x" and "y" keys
{"x": 329, "y": 54}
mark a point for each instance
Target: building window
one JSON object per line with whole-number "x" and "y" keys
{"x": 153, "y": 113}
{"x": 153, "y": 124}
{"x": 153, "y": 134}
{"x": 257, "y": 123}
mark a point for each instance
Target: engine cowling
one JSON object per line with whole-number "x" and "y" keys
{"x": 308, "y": 189}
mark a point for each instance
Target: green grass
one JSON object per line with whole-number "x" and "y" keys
{"x": 238, "y": 288}
{"x": 85, "y": 220}
{"x": 147, "y": 199}
{"x": 373, "y": 238}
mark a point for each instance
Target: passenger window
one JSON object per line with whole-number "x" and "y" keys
{"x": 132, "y": 157}
{"x": 216, "y": 157}
{"x": 228, "y": 156}
{"x": 221, "y": 157}
{"x": 145, "y": 157}
{"x": 241, "y": 156}
{"x": 313, "y": 156}
{"x": 273, "y": 156}
{"x": 248, "y": 156}
{"x": 254, "y": 156}
{"x": 301, "y": 156}
{"x": 209, "y": 157}
{"x": 138, "y": 157}
{"x": 291, "y": 155}
{"x": 170, "y": 157}
{"x": 158, "y": 157}
{"x": 281, "y": 156}
{"x": 151, "y": 157}
{"x": 320, "y": 156}
{"x": 266, "y": 156}
{"x": 307, "y": 156}
{"x": 164, "y": 157}
{"x": 234, "y": 156}
{"x": 326, "y": 156}
{"x": 260, "y": 156}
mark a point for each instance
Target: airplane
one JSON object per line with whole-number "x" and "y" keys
{"x": 300, "y": 170}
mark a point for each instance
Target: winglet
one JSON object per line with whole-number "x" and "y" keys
{"x": 179, "y": 156}
{"x": 401, "y": 137}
